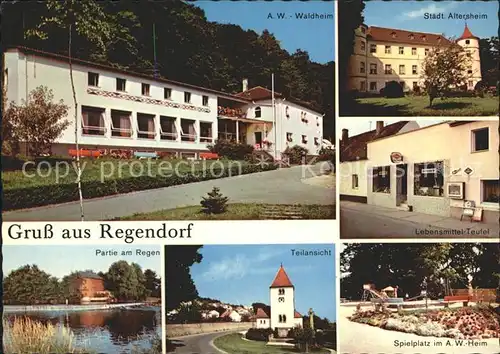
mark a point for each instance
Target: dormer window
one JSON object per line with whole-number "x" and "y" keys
{"x": 439, "y": 39}
{"x": 393, "y": 34}
{"x": 412, "y": 37}
{"x": 258, "y": 112}
{"x": 424, "y": 38}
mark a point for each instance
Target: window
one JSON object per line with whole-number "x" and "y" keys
{"x": 373, "y": 48}
{"x": 121, "y": 84}
{"x": 414, "y": 70}
{"x": 402, "y": 70}
{"x": 281, "y": 291}
{"x": 316, "y": 141}
{"x": 393, "y": 34}
{"x": 415, "y": 86}
{"x": 373, "y": 86}
{"x": 480, "y": 140}
{"x": 363, "y": 30}
{"x": 413, "y": 51}
{"x": 428, "y": 179}
{"x": 145, "y": 89}
{"x": 412, "y": 37}
{"x": 93, "y": 121}
{"x": 363, "y": 46}
{"x": 469, "y": 72}
{"x": 205, "y": 100}
{"x": 373, "y": 68}
{"x": 93, "y": 79}
{"x": 304, "y": 139}
{"x": 469, "y": 54}
{"x": 167, "y": 93}
{"x": 381, "y": 179}
{"x": 258, "y": 112}
{"x": 187, "y": 97}
{"x": 146, "y": 126}
{"x": 355, "y": 182}
{"x": 388, "y": 69}
{"x": 471, "y": 84}
{"x": 362, "y": 67}
{"x": 387, "y": 49}
{"x": 289, "y": 137}
{"x": 426, "y": 51}
{"x": 362, "y": 86}
{"x": 401, "y": 50}
{"x": 467, "y": 41}
{"x": 490, "y": 191}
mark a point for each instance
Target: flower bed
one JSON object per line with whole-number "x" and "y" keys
{"x": 463, "y": 323}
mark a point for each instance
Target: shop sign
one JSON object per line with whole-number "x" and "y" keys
{"x": 428, "y": 170}
{"x": 468, "y": 171}
{"x": 396, "y": 157}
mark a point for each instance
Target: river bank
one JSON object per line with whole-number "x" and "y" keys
{"x": 70, "y": 308}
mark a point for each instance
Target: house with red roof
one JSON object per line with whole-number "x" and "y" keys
{"x": 384, "y": 54}
{"x": 281, "y": 315}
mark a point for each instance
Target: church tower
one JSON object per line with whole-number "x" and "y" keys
{"x": 470, "y": 43}
{"x": 283, "y": 314}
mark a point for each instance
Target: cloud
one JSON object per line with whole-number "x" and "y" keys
{"x": 431, "y": 9}
{"x": 239, "y": 266}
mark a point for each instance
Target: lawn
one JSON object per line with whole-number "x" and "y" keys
{"x": 234, "y": 344}
{"x": 108, "y": 169}
{"x": 236, "y": 212}
{"x": 419, "y": 106}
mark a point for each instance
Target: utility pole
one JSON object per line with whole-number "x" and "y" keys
{"x": 274, "y": 119}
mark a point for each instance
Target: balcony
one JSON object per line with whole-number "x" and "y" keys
{"x": 168, "y": 130}
{"x": 146, "y": 126}
{"x": 121, "y": 124}
{"x": 230, "y": 112}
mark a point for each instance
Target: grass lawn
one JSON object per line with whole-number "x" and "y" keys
{"x": 235, "y": 211}
{"x": 419, "y": 106}
{"x": 234, "y": 344}
{"x": 108, "y": 169}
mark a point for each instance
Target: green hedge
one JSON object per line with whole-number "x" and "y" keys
{"x": 259, "y": 334}
{"x": 23, "y": 198}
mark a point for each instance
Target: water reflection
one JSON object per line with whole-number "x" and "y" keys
{"x": 109, "y": 331}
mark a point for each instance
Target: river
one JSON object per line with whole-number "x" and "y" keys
{"x": 105, "y": 331}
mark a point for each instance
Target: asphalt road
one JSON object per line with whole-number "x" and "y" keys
{"x": 196, "y": 344}
{"x": 282, "y": 186}
{"x": 360, "y": 224}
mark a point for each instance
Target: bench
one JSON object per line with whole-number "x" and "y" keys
{"x": 84, "y": 153}
{"x": 209, "y": 156}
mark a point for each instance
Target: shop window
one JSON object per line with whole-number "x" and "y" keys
{"x": 490, "y": 191}
{"x": 480, "y": 140}
{"x": 355, "y": 182}
{"x": 382, "y": 179}
{"x": 428, "y": 179}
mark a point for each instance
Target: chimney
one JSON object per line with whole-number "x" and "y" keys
{"x": 245, "y": 85}
{"x": 380, "y": 126}
{"x": 345, "y": 134}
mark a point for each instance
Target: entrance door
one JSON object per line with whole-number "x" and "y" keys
{"x": 402, "y": 184}
{"x": 258, "y": 138}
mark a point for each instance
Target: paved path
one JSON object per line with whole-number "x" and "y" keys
{"x": 358, "y": 220}
{"x": 282, "y": 186}
{"x": 357, "y": 338}
{"x": 197, "y": 343}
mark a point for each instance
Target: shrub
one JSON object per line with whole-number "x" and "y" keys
{"x": 15, "y": 163}
{"x": 259, "y": 334}
{"x": 215, "y": 203}
{"x": 296, "y": 154}
{"x": 392, "y": 89}
{"x": 481, "y": 86}
{"x": 326, "y": 155}
{"x": 231, "y": 149}
{"x": 20, "y": 198}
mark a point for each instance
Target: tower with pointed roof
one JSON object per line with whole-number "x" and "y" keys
{"x": 470, "y": 43}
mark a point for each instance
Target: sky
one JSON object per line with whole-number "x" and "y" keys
{"x": 62, "y": 260}
{"x": 358, "y": 126}
{"x": 315, "y": 36}
{"x": 243, "y": 274}
{"x": 409, "y": 15}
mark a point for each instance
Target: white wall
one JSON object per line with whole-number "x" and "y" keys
{"x": 346, "y": 171}
{"x": 262, "y": 323}
{"x": 286, "y": 308}
{"x": 26, "y": 72}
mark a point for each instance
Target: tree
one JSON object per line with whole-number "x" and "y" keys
{"x": 445, "y": 68}
{"x": 28, "y": 285}
{"x": 68, "y": 291}
{"x": 124, "y": 282}
{"x": 37, "y": 121}
{"x": 152, "y": 283}
{"x": 178, "y": 281}
{"x": 87, "y": 19}
{"x": 215, "y": 203}
{"x": 489, "y": 53}
{"x": 304, "y": 337}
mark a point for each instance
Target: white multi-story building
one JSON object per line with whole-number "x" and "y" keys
{"x": 283, "y": 315}
{"x": 381, "y": 55}
{"x": 119, "y": 109}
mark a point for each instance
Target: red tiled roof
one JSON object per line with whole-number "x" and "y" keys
{"x": 355, "y": 147}
{"x": 467, "y": 34}
{"x": 297, "y": 314}
{"x": 259, "y": 93}
{"x": 261, "y": 313}
{"x": 402, "y": 36}
{"x": 281, "y": 280}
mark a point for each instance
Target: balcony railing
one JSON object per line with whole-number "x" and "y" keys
{"x": 230, "y": 112}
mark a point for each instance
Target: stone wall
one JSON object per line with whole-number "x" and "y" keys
{"x": 177, "y": 330}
